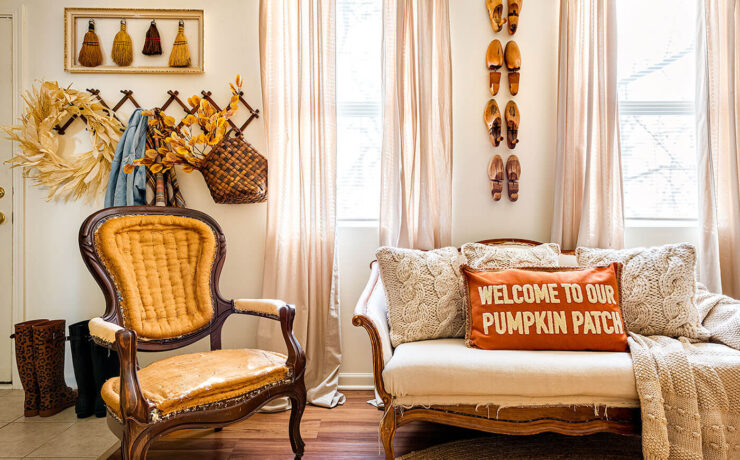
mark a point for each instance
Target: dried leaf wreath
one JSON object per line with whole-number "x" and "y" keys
{"x": 87, "y": 173}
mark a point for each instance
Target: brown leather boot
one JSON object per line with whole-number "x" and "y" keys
{"x": 48, "y": 342}
{"x": 24, "y": 357}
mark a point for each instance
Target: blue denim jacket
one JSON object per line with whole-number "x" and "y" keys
{"x": 128, "y": 189}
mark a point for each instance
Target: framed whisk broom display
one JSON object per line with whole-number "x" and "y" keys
{"x": 133, "y": 40}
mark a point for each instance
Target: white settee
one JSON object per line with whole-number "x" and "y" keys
{"x": 502, "y": 391}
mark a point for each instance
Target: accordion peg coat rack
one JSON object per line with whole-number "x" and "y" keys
{"x": 173, "y": 96}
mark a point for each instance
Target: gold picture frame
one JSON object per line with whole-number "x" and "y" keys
{"x": 107, "y": 24}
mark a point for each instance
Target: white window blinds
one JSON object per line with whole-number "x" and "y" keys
{"x": 359, "y": 109}
{"x": 656, "y": 73}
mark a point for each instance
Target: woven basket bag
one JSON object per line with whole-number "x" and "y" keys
{"x": 235, "y": 172}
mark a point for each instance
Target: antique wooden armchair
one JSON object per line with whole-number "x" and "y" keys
{"x": 159, "y": 268}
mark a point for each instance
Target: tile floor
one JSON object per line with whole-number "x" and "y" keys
{"x": 60, "y": 436}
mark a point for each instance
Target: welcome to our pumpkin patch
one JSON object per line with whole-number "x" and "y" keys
{"x": 545, "y": 309}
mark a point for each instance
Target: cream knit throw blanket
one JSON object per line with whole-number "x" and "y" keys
{"x": 690, "y": 392}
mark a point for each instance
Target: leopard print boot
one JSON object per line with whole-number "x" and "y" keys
{"x": 26, "y": 369}
{"x": 48, "y": 342}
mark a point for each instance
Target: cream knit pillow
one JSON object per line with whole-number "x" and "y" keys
{"x": 503, "y": 257}
{"x": 658, "y": 287}
{"x": 424, "y": 291}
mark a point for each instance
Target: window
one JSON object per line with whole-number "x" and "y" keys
{"x": 655, "y": 86}
{"x": 359, "y": 109}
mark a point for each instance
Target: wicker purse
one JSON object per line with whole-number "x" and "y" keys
{"x": 235, "y": 172}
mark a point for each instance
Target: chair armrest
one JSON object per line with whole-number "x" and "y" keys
{"x": 371, "y": 313}
{"x": 103, "y": 332}
{"x": 133, "y": 403}
{"x": 279, "y": 311}
{"x": 259, "y": 307}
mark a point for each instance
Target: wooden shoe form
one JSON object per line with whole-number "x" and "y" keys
{"x": 514, "y": 83}
{"x": 513, "y": 58}
{"x": 496, "y": 177}
{"x": 494, "y": 82}
{"x": 515, "y": 7}
{"x": 496, "y": 14}
{"x": 512, "y": 124}
{"x": 513, "y": 173}
{"x": 492, "y": 118}
{"x": 494, "y": 61}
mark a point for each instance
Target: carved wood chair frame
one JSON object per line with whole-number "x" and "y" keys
{"x": 567, "y": 420}
{"x": 137, "y": 427}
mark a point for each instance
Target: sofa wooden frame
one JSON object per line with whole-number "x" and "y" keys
{"x": 137, "y": 428}
{"x": 568, "y": 420}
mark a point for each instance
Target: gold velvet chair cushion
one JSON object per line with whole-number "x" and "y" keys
{"x": 161, "y": 266}
{"x": 182, "y": 382}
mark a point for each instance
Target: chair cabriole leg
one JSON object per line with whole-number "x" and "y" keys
{"x": 297, "y": 406}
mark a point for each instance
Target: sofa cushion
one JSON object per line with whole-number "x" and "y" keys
{"x": 545, "y": 308}
{"x": 185, "y": 381}
{"x": 446, "y": 372}
{"x": 424, "y": 291}
{"x": 658, "y": 287}
{"x": 480, "y": 255}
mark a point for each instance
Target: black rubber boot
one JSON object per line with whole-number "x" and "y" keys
{"x": 105, "y": 365}
{"x": 81, "y": 344}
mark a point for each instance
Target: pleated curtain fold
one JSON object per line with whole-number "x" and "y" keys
{"x": 718, "y": 142}
{"x": 588, "y": 206}
{"x": 416, "y": 162}
{"x": 297, "y": 58}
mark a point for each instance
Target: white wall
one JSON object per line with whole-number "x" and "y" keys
{"x": 475, "y": 215}
{"x": 57, "y": 283}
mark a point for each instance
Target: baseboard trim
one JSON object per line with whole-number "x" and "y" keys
{"x": 356, "y": 381}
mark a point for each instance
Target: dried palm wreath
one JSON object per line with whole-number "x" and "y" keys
{"x": 86, "y": 174}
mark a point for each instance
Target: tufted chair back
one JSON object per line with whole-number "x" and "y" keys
{"x": 160, "y": 266}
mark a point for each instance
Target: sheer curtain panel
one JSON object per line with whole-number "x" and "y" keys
{"x": 298, "y": 94}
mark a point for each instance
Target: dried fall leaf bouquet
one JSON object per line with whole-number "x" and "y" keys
{"x": 189, "y": 141}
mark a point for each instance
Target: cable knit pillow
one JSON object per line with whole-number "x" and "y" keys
{"x": 658, "y": 286}
{"x": 502, "y": 257}
{"x": 424, "y": 291}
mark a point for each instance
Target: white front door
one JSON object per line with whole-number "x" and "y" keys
{"x": 6, "y": 199}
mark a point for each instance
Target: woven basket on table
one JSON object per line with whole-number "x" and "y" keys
{"x": 235, "y": 172}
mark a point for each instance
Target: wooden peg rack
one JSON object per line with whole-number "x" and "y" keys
{"x": 173, "y": 96}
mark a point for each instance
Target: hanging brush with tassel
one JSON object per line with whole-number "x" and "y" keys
{"x": 180, "y": 55}
{"x": 123, "y": 49}
{"x": 90, "y": 55}
{"x": 152, "y": 45}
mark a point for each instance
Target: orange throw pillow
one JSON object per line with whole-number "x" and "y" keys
{"x": 543, "y": 308}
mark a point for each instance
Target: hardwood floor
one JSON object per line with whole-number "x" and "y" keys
{"x": 347, "y": 432}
